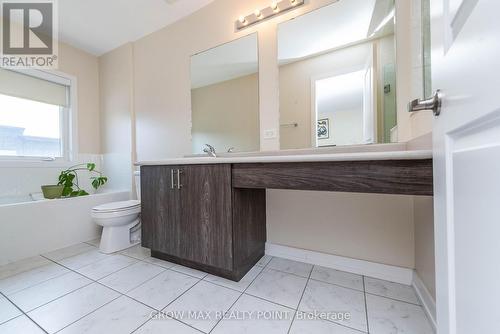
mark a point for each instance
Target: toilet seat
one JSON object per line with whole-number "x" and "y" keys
{"x": 115, "y": 214}
{"x": 116, "y": 207}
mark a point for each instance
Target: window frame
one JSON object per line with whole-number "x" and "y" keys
{"x": 68, "y": 124}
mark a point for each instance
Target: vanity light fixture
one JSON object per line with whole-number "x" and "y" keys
{"x": 276, "y": 8}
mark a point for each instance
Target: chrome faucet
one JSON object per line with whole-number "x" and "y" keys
{"x": 231, "y": 150}
{"x": 210, "y": 150}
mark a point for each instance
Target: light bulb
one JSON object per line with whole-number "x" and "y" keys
{"x": 242, "y": 20}
{"x": 293, "y": 2}
{"x": 258, "y": 13}
{"x": 274, "y": 6}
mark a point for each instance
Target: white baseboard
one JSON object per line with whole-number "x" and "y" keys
{"x": 426, "y": 299}
{"x": 360, "y": 267}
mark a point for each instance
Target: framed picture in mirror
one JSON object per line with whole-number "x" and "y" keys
{"x": 323, "y": 128}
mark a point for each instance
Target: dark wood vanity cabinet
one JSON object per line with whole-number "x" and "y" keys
{"x": 213, "y": 217}
{"x": 192, "y": 215}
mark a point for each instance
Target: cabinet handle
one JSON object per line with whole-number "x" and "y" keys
{"x": 179, "y": 185}
{"x": 172, "y": 184}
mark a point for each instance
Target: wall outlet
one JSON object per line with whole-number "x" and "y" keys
{"x": 270, "y": 134}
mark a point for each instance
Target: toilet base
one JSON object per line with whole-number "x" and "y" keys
{"x": 118, "y": 238}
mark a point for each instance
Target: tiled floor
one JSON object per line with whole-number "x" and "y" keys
{"x": 79, "y": 290}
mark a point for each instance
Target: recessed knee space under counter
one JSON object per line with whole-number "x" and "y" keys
{"x": 210, "y": 213}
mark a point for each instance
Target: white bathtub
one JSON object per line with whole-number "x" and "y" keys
{"x": 35, "y": 227}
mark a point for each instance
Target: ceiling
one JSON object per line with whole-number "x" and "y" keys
{"x": 99, "y": 26}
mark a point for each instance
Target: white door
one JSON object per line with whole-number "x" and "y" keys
{"x": 466, "y": 67}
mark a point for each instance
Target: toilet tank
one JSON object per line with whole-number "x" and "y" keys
{"x": 137, "y": 177}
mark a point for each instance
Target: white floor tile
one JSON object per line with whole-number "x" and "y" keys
{"x": 165, "y": 326}
{"x": 241, "y": 285}
{"x": 35, "y": 296}
{"x": 317, "y": 326}
{"x": 62, "y": 312}
{"x": 20, "y": 325}
{"x": 158, "y": 262}
{"x": 84, "y": 259}
{"x": 264, "y": 261}
{"x": 337, "y": 277}
{"x": 387, "y": 316}
{"x": 189, "y": 271}
{"x": 278, "y": 287}
{"x": 260, "y": 317}
{"x": 103, "y": 268}
{"x": 204, "y": 297}
{"x": 31, "y": 277}
{"x": 131, "y": 277}
{"x": 121, "y": 316}
{"x": 7, "y": 310}
{"x": 397, "y": 291}
{"x": 324, "y": 297}
{"x": 137, "y": 252}
{"x": 291, "y": 267}
{"x": 163, "y": 289}
{"x": 65, "y": 302}
{"x": 18, "y": 267}
{"x": 70, "y": 251}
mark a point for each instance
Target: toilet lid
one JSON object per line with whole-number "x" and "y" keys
{"x": 117, "y": 206}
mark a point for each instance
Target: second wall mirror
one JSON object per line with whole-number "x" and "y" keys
{"x": 337, "y": 78}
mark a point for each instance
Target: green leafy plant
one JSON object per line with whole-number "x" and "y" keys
{"x": 69, "y": 179}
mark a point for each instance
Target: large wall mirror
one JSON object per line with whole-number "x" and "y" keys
{"x": 337, "y": 76}
{"x": 225, "y": 97}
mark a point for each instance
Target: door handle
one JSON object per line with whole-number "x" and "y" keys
{"x": 433, "y": 103}
{"x": 179, "y": 185}
{"x": 172, "y": 183}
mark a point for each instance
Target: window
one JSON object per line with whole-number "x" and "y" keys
{"x": 34, "y": 115}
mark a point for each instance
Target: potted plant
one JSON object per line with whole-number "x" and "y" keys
{"x": 68, "y": 185}
{"x": 68, "y": 179}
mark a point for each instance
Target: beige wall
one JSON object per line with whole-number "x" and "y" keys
{"x": 162, "y": 78}
{"x": 116, "y": 85}
{"x": 420, "y": 124}
{"x": 226, "y": 115}
{"x": 85, "y": 67}
{"x": 424, "y": 242}
{"x": 328, "y": 222}
{"x": 334, "y": 223}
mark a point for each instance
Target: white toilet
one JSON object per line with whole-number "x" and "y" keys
{"x": 121, "y": 223}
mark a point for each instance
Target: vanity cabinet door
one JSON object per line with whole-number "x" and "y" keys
{"x": 206, "y": 215}
{"x": 160, "y": 210}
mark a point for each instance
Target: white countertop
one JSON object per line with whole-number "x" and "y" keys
{"x": 353, "y": 156}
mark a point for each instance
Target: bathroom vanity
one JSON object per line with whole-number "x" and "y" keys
{"x": 210, "y": 213}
